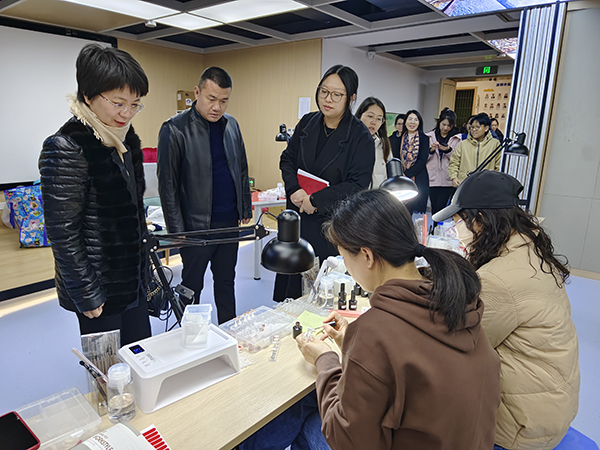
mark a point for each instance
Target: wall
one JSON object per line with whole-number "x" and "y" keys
{"x": 484, "y": 89}
{"x": 34, "y": 83}
{"x": 570, "y": 201}
{"x": 398, "y": 85}
{"x": 168, "y": 71}
{"x": 432, "y": 88}
{"x": 267, "y": 82}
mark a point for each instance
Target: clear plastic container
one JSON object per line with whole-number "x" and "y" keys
{"x": 194, "y": 326}
{"x": 256, "y": 328}
{"x": 61, "y": 420}
{"x": 326, "y": 297}
{"x": 121, "y": 401}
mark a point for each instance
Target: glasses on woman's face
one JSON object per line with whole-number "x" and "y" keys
{"x": 336, "y": 97}
{"x": 122, "y": 107}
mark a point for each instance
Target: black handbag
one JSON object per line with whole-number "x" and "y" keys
{"x": 156, "y": 294}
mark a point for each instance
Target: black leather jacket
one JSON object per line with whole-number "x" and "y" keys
{"x": 184, "y": 168}
{"x": 94, "y": 216}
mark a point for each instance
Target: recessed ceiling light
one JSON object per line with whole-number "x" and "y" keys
{"x": 134, "y": 8}
{"x": 247, "y": 9}
{"x": 188, "y": 22}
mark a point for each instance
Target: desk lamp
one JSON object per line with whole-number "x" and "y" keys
{"x": 397, "y": 184}
{"x": 286, "y": 254}
{"x": 513, "y": 148}
{"x": 283, "y": 135}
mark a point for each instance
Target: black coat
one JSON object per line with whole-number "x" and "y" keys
{"x": 418, "y": 172}
{"x": 94, "y": 214}
{"x": 346, "y": 162}
{"x": 185, "y": 177}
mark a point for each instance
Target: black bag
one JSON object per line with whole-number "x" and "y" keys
{"x": 156, "y": 294}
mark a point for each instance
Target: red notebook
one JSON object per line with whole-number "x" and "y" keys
{"x": 311, "y": 183}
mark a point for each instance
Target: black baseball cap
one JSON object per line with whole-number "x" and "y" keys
{"x": 487, "y": 189}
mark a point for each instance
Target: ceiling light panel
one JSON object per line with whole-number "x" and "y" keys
{"x": 187, "y": 22}
{"x": 134, "y": 8}
{"x": 238, "y": 10}
{"x": 506, "y": 45}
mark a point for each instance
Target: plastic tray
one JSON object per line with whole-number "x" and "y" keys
{"x": 62, "y": 420}
{"x": 255, "y": 329}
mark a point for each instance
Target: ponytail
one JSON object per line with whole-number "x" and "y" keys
{"x": 376, "y": 220}
{"x": 455, "y": 285}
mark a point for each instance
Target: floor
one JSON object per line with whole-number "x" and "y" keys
{"x": 36, "y": 336}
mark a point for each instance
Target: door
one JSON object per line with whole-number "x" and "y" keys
{"x": 464, "y": 105}
{"x": 447, "y": 94}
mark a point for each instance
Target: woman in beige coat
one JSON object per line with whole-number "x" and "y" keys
{"x": 527, "y": 316}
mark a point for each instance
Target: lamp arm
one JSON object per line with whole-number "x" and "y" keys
{"x": 193, "y": 238}
{"x": 492, "y": 155}
{"x": 155, "y": 242}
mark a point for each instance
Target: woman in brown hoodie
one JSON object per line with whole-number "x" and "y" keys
{"x": 417, "y": 371}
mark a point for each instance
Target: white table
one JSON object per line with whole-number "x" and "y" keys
{"x": 258, "y": 206}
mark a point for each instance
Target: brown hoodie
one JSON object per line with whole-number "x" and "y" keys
{"x": 405, "y": 382}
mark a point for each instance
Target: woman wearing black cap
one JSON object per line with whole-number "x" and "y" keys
{"x": 527, "y": 316}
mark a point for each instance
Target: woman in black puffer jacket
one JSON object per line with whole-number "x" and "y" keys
{"x": 92, "y": 187}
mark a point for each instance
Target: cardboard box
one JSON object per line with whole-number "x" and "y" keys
{"x": 184, "y": 99}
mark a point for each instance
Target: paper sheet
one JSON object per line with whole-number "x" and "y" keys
{"x": 303, "y": 106}
{"x": 310, "y": 320}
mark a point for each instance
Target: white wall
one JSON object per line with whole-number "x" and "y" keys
{"x": 432, "y": 88}
{"x": 38, "y": 71}
{"x": 399, "y": 86}
{"x": 571, "y": 197}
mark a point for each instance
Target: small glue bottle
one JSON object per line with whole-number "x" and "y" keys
{"x": 342, "y": 297}
{"x": 121, "y": 402}
{"x": 352, "y": 302}
{"x": 296, "y": 330}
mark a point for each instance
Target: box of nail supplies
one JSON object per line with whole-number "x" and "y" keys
{"x": 256, "y": 328}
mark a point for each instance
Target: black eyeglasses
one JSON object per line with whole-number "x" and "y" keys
{"x": 336, "y": 97}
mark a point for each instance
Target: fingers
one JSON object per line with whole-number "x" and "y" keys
{"x": 93, "y": 313}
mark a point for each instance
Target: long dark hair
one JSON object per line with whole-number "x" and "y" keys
{"x": 495, "y": 227}
{"x": 416, "y": 113}
{"x": 382, "y": 131}
{"x": 450, "y": 116}
{"x": 349, "y": 79}
{"x": 391, "y": 237}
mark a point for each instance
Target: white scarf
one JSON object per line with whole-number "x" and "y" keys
{"x": 109, "y": 136}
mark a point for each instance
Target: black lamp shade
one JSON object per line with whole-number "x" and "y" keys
{"x": 288, "y": 253}
{"x": 517, "y": 149}
{"x": 399, "y": 186}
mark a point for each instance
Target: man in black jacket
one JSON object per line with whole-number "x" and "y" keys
{"x": 203, "y": 184}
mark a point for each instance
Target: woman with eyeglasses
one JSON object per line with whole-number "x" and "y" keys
{"x": 413, "y": 153}
{"x": 335, "y": 146}
{"x": 371, "y": 112}
{"x": 527, "y": 314}
{"x": 471, "y": 152}
{"x": 92, "y": 187}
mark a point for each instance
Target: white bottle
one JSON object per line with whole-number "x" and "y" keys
{"x": 280, "y": 191}
{"x": 121, "y": 402}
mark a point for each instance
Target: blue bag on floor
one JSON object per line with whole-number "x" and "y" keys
{"x": 26, "y": 212}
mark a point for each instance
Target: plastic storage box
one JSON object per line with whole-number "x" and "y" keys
{"x": 194, "y": 326}
{"x": 62, "y": 420}
{"x": 255, "y": 329}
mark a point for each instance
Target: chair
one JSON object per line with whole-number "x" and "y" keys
{"x": 574, "y": 440}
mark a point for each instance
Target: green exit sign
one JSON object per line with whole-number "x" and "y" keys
{"x": 487, "y": 70}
